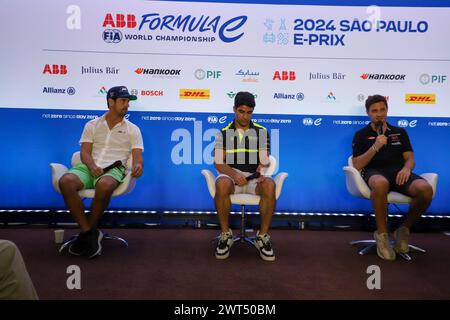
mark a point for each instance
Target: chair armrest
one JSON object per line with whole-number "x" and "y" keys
{"x": 210, "y": 181}
{"x": 356, "y": 185}
{"x": 128, "y": 184}
{"x": 279, "y": 180}
{"x": 432, "y": 179}
{"x": 58, "y": 170}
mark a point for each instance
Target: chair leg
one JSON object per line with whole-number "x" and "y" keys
{"x": 242, "y": 237}
{"x": 107, "y": 236}
{"x": 67, "y": 243}
{"x": 369, "y": 248}
{"x": 371, "y": 245}
{"x": 405, "y": 256}
{"x": 362, "y": 242}
{"x": 416, "y": 249}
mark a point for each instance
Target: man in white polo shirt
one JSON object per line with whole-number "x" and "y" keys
{"x": 104, "y": 141}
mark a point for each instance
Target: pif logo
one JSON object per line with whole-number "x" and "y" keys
{"x": 194, "y": 94}
{"x": 55, "y": 69}
{"x": 420, "y": 98}
{"x": 284, "y": 75}
{"x": 120, "y": 21}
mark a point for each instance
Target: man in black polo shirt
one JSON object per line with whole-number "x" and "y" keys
{"x": 241, "y": 149}
{"x": 385, "y": 157}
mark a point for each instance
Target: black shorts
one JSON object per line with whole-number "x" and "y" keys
{"x": 390, "y": 176}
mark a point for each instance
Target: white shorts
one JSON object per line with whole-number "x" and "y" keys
{"x": 250, "y": 187}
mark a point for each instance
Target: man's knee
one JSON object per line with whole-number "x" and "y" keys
{"x": 379, "y": 186}
{"x": 425, "y": 192}
{"x": 105, "y": 187}
{"x": 224, "y": 187}
{"x": 69, "y": 182}
{"x": 267, "y": 188}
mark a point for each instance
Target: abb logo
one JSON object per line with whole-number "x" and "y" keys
{"x": 55, "y": 69}
{"x": 120, "y": 21}
{"x": 284, "y": 75}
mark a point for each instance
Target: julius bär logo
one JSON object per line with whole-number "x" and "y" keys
{"x": 55, "y": 69}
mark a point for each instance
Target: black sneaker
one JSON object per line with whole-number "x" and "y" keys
{"x": 265, "y": 247}
{"x": 78, "y": 246}
{"x": 224, "y": 245}
{"x": 93, "y": 243}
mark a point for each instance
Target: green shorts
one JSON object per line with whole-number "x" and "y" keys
{"x": 89, "y": 181}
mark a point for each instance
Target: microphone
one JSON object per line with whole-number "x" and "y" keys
{"x": 116, "y": 164}
{"x": 379, "y": 126}
{"x": 253, "y": 176}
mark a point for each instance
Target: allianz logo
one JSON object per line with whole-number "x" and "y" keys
{"x": 311, "y": 121}
{"x": 405, "y": 123}
{"x": 286, "y": 96}
{"x": 214, "y": 119}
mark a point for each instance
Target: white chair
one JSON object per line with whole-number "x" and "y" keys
{"x": 247, "y": 199}
{"x": 357, "y": 187}
{"x": 128, "y": 184}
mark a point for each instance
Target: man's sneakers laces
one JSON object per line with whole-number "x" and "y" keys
{"x": 87, "y": 244}
{"x": 263, "y": 244}
{"x": 224, "y": 244}
{"x": 384, "y": 249}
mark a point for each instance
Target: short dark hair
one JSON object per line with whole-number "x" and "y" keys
{"x": 244, "y": 98}
{"x": 374, "y": 99}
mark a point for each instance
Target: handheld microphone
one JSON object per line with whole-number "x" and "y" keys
{"x": 116, "y": 164}
{"x": 379, "y": 126}
{"x": 253, "y": 176}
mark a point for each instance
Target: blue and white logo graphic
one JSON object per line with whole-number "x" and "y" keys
{"x": 213, "y": 119}
{"x": 112, "y": 36}
{"x": 405, "y": 123}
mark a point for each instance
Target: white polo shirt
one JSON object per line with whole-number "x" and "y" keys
{"x": 111, "y": 145}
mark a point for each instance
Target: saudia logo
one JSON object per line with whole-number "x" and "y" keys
{"x": 226, "y": 29}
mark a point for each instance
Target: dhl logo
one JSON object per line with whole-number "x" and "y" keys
{"x": 194, "y": 94}
{"x": 420, "y": 98}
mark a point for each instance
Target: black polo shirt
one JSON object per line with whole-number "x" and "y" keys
{"x": 388, "y": 157}
{"x": 242, "y": 149}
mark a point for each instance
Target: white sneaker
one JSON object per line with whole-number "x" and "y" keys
{"x": 265, "y": 247}
{"x": 224, "y": 244}
{"x": 384, "y": 249}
